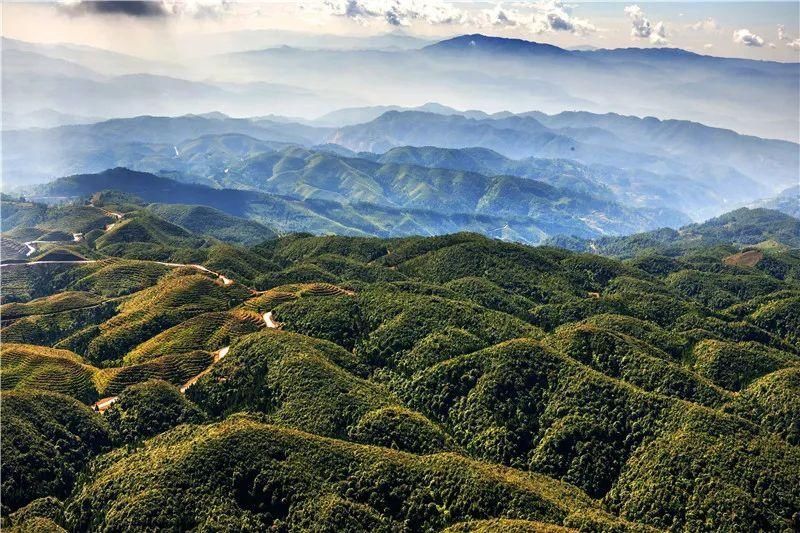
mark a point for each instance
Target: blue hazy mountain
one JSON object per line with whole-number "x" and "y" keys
{"x": 89, "y": 81}
{"x": 470, "y": 71}
{"x": 710, "y": 155}
{"x": 787, "y": 201}
{"x": 483, "y": 44}
{"x": 646, "y": 163}
{"x": 513, "y": 208}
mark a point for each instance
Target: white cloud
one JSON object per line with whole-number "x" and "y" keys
{"x": 747, "y": 38}
{"x": 554, "y": 15}
{"x": 643, "y": 28}
{"x": 395, "y": 12}
{"x": 535, "y": 17}
{"x": 659, "y": 35}
{"x": 197, "y": 8}
{"x": 794, "y": 44}
{"x": 498, "y": 16}
{"x": 708, "y": 46}
{"x": 709, "y": 25}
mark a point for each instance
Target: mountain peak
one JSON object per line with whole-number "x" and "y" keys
{"x": 215, "y": 115}
{"x": 489, "y": 44}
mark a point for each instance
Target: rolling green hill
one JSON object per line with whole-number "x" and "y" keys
{"x": 214, "y": 223}
{"x": 47, "y": 440}
{"x": 449, "y": 383}
{"x": 27, "y": 367}
{"x": 142, "y": 228}
{"x": 71, "y": 219}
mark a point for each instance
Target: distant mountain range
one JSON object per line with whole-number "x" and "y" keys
{"x": 430, "y": 157}
{"x": 467, "y": 72}
{"x": 645, "y": 163}
{"x": 511, "y": 208}
{"x": 44, "y": 118}
{"x": 788, "y": 201}
{"x": 89, "y": 81}
{"x": 765, "y": 228}
{"x": 678, "y": 147}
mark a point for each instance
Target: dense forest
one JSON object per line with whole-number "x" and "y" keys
{"x": 171, "y": 368}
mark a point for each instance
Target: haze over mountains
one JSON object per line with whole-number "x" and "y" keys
{"x": 671, "y": 171}
{"x": 510, "y": 208}
{"x": 744, "y": 95}
{"x": 647, "y": 164}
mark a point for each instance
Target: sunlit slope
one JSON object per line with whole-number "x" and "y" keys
{"x": 172, "y": 301}
{"x": 213, "y": 222}
{"x": 26, "y": 366}
{"x": 29, "y": 367}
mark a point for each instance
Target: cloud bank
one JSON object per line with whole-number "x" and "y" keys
{"x": 540, "y": 17}
{"x": 395, "y": 12}
{"x": 534, "y": 17}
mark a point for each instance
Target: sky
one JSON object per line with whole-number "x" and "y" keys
{"x": 173, "y": 29}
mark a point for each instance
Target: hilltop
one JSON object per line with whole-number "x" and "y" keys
{"x": 742, "y": 227}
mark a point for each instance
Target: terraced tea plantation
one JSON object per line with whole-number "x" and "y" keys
{"x": 167, "y": 381}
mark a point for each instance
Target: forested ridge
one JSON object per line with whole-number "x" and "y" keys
{"x": 450, "y": 383}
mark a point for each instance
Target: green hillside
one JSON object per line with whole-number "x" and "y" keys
{"x": 449, "y": 383}
{"x": 47, "y": 440}
{"x": 69, "y": 219}
{"x": 741, "y": 227}
{"x": 146, "y": 229}
{"x": 26, "y": 366}
{"x": 214, "y": 223}
{"x": 297, "y": 190}
{"x": 317, "y": 482}
{"x": 29, "y": 367}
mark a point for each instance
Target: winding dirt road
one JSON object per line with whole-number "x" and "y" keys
{"x": 218, "y": 355}
{"x": 223, "y": 279}
{"x": 268, "y": 320}
{"x": 104, "y": 403}
{"x": 77, "y": 237}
